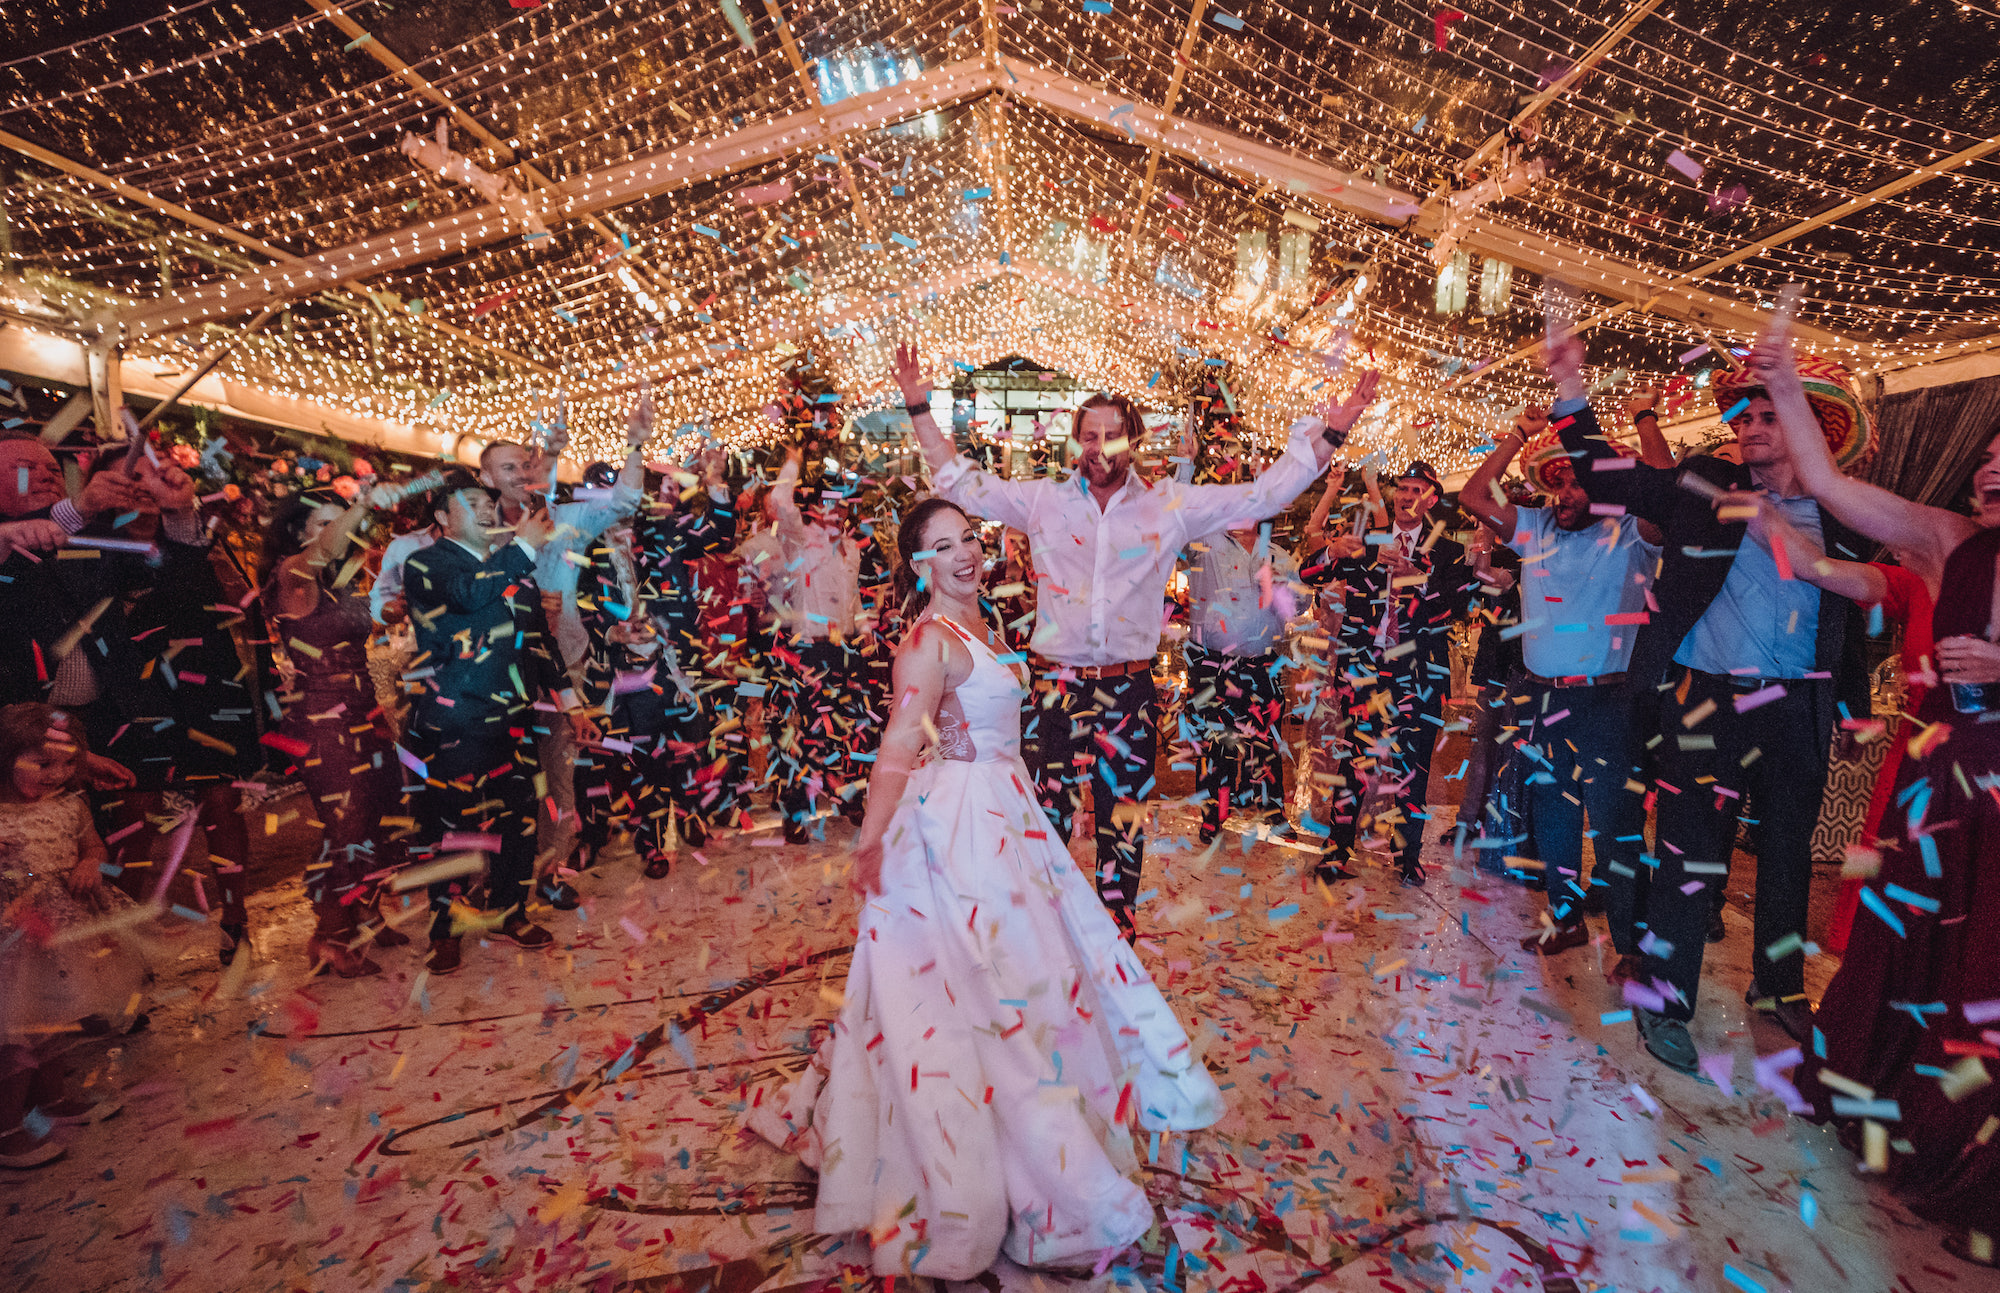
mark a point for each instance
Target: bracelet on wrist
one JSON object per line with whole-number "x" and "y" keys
{"x": 1646, "y": 413}
{"x": 913, "y": 409}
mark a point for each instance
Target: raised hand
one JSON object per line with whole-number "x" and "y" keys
{"x": 1533, "y": 421}
{"x": 170, "y": 488}
{"x": 111, "y": 490}
{"x": 1341, "y": 417}
{"x": 1565, "y": 361}
{"x": 1642, "y": 401}
{"x": 535, "y": 528}
{"x": 908, "y": 371}
{"x": 639, "y": 426}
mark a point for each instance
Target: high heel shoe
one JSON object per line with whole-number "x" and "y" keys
{"x": 332, "y": 954}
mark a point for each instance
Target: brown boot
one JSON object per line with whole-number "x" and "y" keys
{"x": 381, "y": 932}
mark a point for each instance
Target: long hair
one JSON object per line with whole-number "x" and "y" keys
{"x": 1130, "y": 424}
{"x": 286, "y": 535}
{"x": 25, "y": 727}
{"x": 909, "y": 537}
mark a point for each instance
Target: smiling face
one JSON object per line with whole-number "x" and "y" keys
{"x": 467, "y": 516}
{"x": 957, "y": 559}
{"x": 510, "y": 469}
{"x": 1986, "y": 485}
{"x": 46, "y": 770}
{"x": 1759, "y": 439}
{"x": 1572, "y": 505}
{"x": 30, "y": 478}
{"x": 1099, "y": 433}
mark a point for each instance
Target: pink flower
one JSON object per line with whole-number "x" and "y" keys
{"x": 186, "y": 457}
{"x": 362, "y": 467}
{"x": 346, "y": 487}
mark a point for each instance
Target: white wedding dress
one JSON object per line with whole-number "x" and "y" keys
{"x": 997, "y": 1033}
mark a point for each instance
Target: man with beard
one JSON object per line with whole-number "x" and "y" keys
{"x": 1583, "y": 591}
{"x": 1104, "y": 544}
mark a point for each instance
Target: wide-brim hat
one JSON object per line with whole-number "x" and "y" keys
{"x": 1542, "y": 453}
{"x": 1830, "y": 391}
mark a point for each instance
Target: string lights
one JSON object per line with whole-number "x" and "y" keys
{"x": 289, "y": 132}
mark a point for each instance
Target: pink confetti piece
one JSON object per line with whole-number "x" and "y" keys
{"x": 1982, "y": 1012}
{"x": 759, "y": 194}
{"x": 1744, "y": 704}
{"x": 470, "y": 840}
{"x": 1686, "y": 165}
{"x": 1721, "y": 1070}
{"x": 1696, "y": 353}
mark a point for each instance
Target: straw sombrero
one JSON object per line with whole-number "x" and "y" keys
{"x": 1830, "y": 391}
{"x": 1546, "y": 450}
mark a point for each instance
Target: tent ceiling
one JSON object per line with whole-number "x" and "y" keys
{"x": 1128, "y": 194}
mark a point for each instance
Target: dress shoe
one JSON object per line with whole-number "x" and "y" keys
{"x": 1209, "y": 830}
{"x": 1667, "y": 1040}
{"x": 82, "y": 1113}
{"x": 795, "y": 833}
{"x": 561, "y": 895}
{"x": 659, "y": 867}
{"x": 1593, "y": 900}
{"x": 386, "y": 935}
{"x": 1793, "y": 1014}
{"x": 1562, "y": 939}
{"x": 444, "y": 958}
{"x": 333, "y": 954}
{"x": 522, "y": 932}
{"x": 1328, "y": 873}
{"x": 1278, "y": 827}
{"x": 1412, "y": 875}
{"x": 21, "y": 1151}
{"x": 1630, "y": 967}
{"x": 234, "y": 935}
{"x": 694, "y": 831}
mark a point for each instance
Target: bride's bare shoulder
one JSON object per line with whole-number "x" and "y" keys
{"x": 931, "y": 644}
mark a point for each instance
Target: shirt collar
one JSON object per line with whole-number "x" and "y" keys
{"x": 477, "y": 554}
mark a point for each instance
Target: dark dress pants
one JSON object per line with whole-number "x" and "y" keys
{"x": 1417, "y": 705}
{"x": 1109, "y": 726}
{"x": 1235, "y": 707}
{"x": 1581, "y": 757}
{"x": 479, "y": 778}
{"x": 1774, "y": 754}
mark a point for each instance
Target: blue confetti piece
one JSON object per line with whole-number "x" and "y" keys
{"x": 1736, "y": 409}
{"x": 707, "y": 232}
{"x": 1097, "y": 6}
{"x": 1229, "y": 20}
{"x": 979, "y": 194}
{"x": 1917, "y": 900}
{"x": 904, "y": 239}
{"x": 1873, "y": 902}
{"x": 1285, "y": 912}
{"x": 1615, "y": 1017}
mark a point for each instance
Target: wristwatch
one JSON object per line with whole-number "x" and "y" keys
{"x": 1647, "y": 413}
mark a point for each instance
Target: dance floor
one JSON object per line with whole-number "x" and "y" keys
{"x": 1414, "y": 1104}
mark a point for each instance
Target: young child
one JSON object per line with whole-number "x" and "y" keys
{"x": 70, "y": 962}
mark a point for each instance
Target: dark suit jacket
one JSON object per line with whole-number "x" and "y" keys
{"x": 1700, "y": 549}
{"x": 1424, "y": 612}
{"x": 480, "y": 625}
{"x": 44, "y": 599}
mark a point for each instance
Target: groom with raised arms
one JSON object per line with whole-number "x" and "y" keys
{"x": 1104, "y": 545}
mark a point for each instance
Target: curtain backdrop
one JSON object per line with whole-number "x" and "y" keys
{"x": 1928, "y": 440}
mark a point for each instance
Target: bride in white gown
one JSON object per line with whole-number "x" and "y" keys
{"x": 998, "y": 1038}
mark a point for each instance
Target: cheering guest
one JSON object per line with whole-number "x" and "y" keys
{"x": 641, "y": 609}
{"x": 1912, "y": 1007}
{"x": 1400, "y": 606}
{"x": 1240, "y": 600}
{"x": 1583, "y": 595}
{"x": 482, "y": 630}
{"x": 333, "y": 728}
{"x": 1104, "y": 545}
{"x": 1741, "y": 672}
{"x": 823, "y": 657}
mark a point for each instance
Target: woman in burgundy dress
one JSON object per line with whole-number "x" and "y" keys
{"x": 1910, "y": 1020}
{"x": 334, "y": 729}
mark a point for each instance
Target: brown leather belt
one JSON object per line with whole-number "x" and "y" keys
{"x": 1578, "y": 680}
{"x": 1092, "y": 671}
